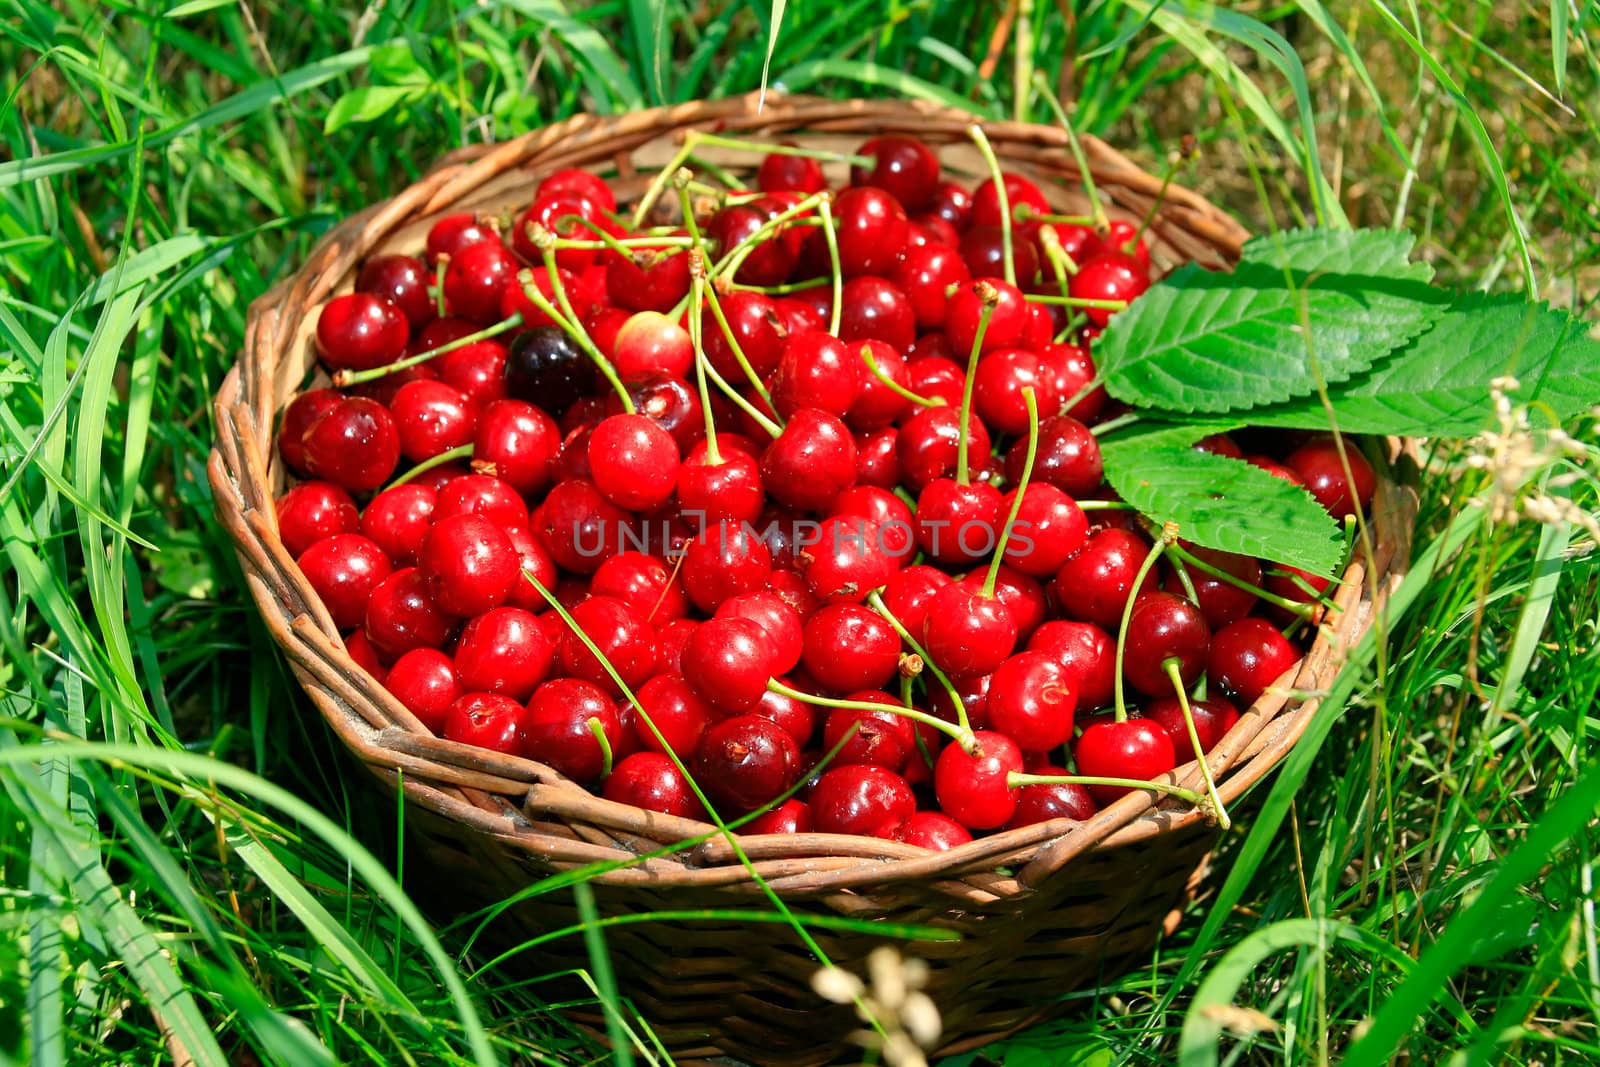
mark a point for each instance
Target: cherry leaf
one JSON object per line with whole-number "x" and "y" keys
{"x": 1222, "y": 503}
{"x": 1300, "y": 307}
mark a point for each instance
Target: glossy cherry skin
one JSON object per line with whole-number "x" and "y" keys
{"x": 904, "y": 167}
{"x": 811, "y": 462}
{"x": 1041, "y": 803}
{"x": 851, "y": 557}
{"x": 1220, "y": 601}
{"x": 1213, "y": 718}
{"x": 774, "y": 615}
{"x": 483, "y": 496}
{"x": 877, "y": 461}
{"x": 859, "y": 799}
{"x": 745, "y": 761}
{"x": 515, "y": 442}
{"x": 544, "y": 367}
{"x": 504, "y": 650}
{"x": 344, "y": 570}
{"x": 635, "y": 462}
{"x": 650, "y": 279}
{"x": 790, "y": 174}
{"x": 303, "y": 412}
{"x": 729, "y": 489}
{"x": 451, "y": 234}
{"x": 797, "y": 718}
{"x": 624, "y": 639}
{"x": 935, "y": 377}
{"x": 475, "y": 278}
{"x": 398, "y": 518}
{"x": 725, "y": 560}
{"x": 909, "y": 593}
{"x": 880, "y": 506}
{"x": 931, "y": 830}
{"x": 883, "y": 738}
{"x": 816, "y": 371}
{"x": 973, "y": 691}
{"x": 1019, "y": 191}
{"x": 848, "y": 647}
{"x": 365, "y": 654}
{"x": 872, "y": 230}
{"x": 1031, "y": 700}
{"x": 1247, "y": 657}
{"x": 929, "y": 442}
{"x": 875, "y": 309}
{"x": 578, "y": 527}
{"x": 997, "y": 389}
{"x": 469, "y": 563}
{"x": 650, "y": 343}
{"x": 311, "y": 511}
{"x": 967, "y": 632}
{"x": 360, "y": 331}
{"x": 728, "y": 662}
{"x": 1022, "y": 596}
{"x": 1162, "y": 627}
{"x": 425, "y": 681}
{"x": 404, "y": 282}
{"x": 1321, "y": 469}
{"x": 758, "y": 328}
{"x": 1108, "y": 276}
{"x": 1074, "y": 370}
{"x": 973, "y": 789}
{"x": 925, "y": 275}
{"x": 557, "y": 730}
{"x": 401, "y": 616}
{"x": 354, "y": 446}
{"x": 653, "y": 782}
{"x": 1137, "y": 749}
{"x": 677, "y": 713}
{"x": 1048, "y": 529}
{"x": 487, "y": 720}
{"x": 1067, "y": 457}
{"x": 1094, "y": 584}
{"x": 1008, "y": 324}
{"x": 571, "y": 180}
{"x": 876, "y": 405}
{"x": 982, "y": 249}
{"x": 1087, "y": 653}
{"x": 958, "y": 523}
{"x": 431, "y": 417}
{"x": 769, "y": 261}
{"x": 644, "y": 583}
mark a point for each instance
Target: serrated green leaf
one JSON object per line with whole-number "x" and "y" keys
{"x": 1302, "y": 306}
{"x": 1438, "y": 386}
{"x": 365, "y": 104}
{"x": 1224, "y": 503}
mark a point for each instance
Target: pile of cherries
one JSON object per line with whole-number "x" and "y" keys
{"x": 788, "y": 499}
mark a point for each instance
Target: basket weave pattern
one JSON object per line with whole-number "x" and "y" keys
{"x": 1041, "y": 910}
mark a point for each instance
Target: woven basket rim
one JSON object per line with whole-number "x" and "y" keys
{"x": 529, "y": 806}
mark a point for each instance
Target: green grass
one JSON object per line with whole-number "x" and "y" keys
{"x": 188, "y": 861}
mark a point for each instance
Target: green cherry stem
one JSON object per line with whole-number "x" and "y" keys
{"x": 1027, "y": 213}
{"x": 738, "y": 398}
{"x": 1183, "y": 575}
{"x": 1062, "y": 265}
{"x": 1097, "y": 210}
{"x": 567, "y": 319}
{"x": 1105, "y": 505}
{"x": 459, "y": 452}
{"x": 991, "y": 299}
{"x": 831, "y": 236}
{"x": 895, "y": 387}
{"x": 699, "y": 137}
{"x": 1189, "y": 559}
{"x": 1127, "y": 418}
{"x": 876, "y": 603}
{"x": 986, "y": 150}
{"x": 438, "y": 284}
{"x": 349, "y": 377}
{"x": 1174, "y": 672}
{"x": 1188, "y": 149}
{"x": 1075, "y": 302}
{"x": 697, "y": 284}
{"x": 1169, "y": 534}
{"x": 709, "y": 293}
{"x": 1018, "y": 779}
{"x": 598, "y": 729}
{"x": 734, "y": 257}
{"x": 658, "y": 185}
{"x": 1032, "y": 401}
{"x": 961, "y": 735}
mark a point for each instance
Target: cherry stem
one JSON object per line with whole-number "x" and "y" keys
{"x": 697, "y": 284}
{"x": 567, "y": 319}
{"x": 875, "y": 601}
{"x": 438, "y": 284}
{"x": 1183, "y": 575}
{"x": 694, "y": 137}
{"x": 348, "y": 377}
{"x": 1018, "y": 779}
{"x": 624, "y": 246}
{"x": 1105, "y": 505}
{"x": 1189, "y": 559}
{"x": 1096, "y": 209}
{"x": 1062, "y": 265}
{"x": 829, "y": 235}
{"x": 598, "y": 729}
{"x": 1003, "y": 199}
{"x": 894, "y": 386}
{"x": 1075, "y": 302}
{"x": 991, "y": 299}
{"x": 733, "y": 258}
{"x": 1088, "y": 387}
{"x": 1169, "y": 533}
{"x": 961, "y": 735}
{"x": 781, "y": 290}
{"x": 1127, "y": 418}
{"x": 721, "y": 173}
{"x": 1185, "y": 153}
{"x": 744, "y": 404}
{"x": 1174, "y": 672}
{"x": 1032, "y": 401}
{"x": 1027, "y": 213}
{"x": 658, "y": 185}
{"x": 459, "y": 452}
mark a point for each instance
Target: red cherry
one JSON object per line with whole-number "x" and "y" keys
{"x": 1068, "y": 457}
{"x": 973, "y": 692}
{"x": 875, "y": 309}
{"x": 635, "y": 462}
{"x": 811, "y": 462}
{"x": 730, "y": 489}
{"x": 469, "y": 564}
{"x": 926, "y": 275}
{"x": 1031, "y": 700}
{"x": 354, "y": 446}
{"x": 1073, "y": 370}
{"x": 487, "y": 720}
{"x": 398, "y": 518}
{"x": 580, "y": 528}
{"x": 982, "y": 249}
{"x": 904, "y": 167}
{"x": 769, "y": 261}
{"x": 650, "y": 279}
{"x": 624, "y": 639}
{"x": 793, "y": 816}
{"x": 745, "y": 761}
{"x": 404, "y": 282}
{"x": 1247, "y": 657}
{"x": 477, "y": 369}
{"x": 790, "y": 174}
{"x": 952, "y": 203}
{"x": 653, "y": 782}
{"x": 515, "y": 442}
{"x": 431, "y": 417}
{"x": 725, "y": 560}
{"x": 563, "y": 213}
{"x": 872, "y": 230}
{"x": 816, "y": 371}
{"x": 1041, "y": 803}
{"x": 475, "y": 278}
{"x": 883, "y": 738}
{"x": 1137, "y": 749}
{"x": 1108, "y": 276}
{"x": 570, "y": 180}
{"x": 1008, "y": 323}
{"x": 365, "y": 653}
{"x": 729, "y": 661}
{"x": 680, "y": 717}
{"x": 877, "y": 461}
{"x": 531, "y": 559}
{"x": 876, "y": 405}
{"x": 850, "y": 558}
{"x": 1023, "y": 597}
{"x": 929, "y": 442}
{"x": 515, "y": 298}
{"x": 344, "y": 570}
{"x": 849, "y": 647}
{"x": 1221, "y": 602}
{"x": 774, "y": 615}
{"x": 1320, "y": 467}
{"x": 797, "y": 718}
{"x": 451, "y": 234}
{"x": 909, "y": 593}
{"x": 425, "y": 681}
{"x": 1162, "y": 627}
{"x": 1094, "y": 585}
{"x": 360, "y": 331}
{"x": 1087, "y": 653}
{"x": 303, "y": 412}
{"x": 644, "y": 583}
{"x": 1049, "y": 527}
{"x": 1212, "y": 719}
{"x": 997, "y": 389}
{"x": 402, "y": 616}
{"x": 860, "y": 798}
{"x": 928, "y": 829}
{"x": 967, "y": 632}
{"x": 973, "y": 789}
{"x": 958, "y": 523}
{"x": 504, "y": 650}
{"x": 311, "y": 511}
{"x": 651, "y": 343}
{"x": 1019, "y": 191}
{"x": 758, "y": 328}
{"x": 557, "y": 728}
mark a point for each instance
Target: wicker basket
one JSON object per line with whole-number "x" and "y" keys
{"x": 1042, "y": 910}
